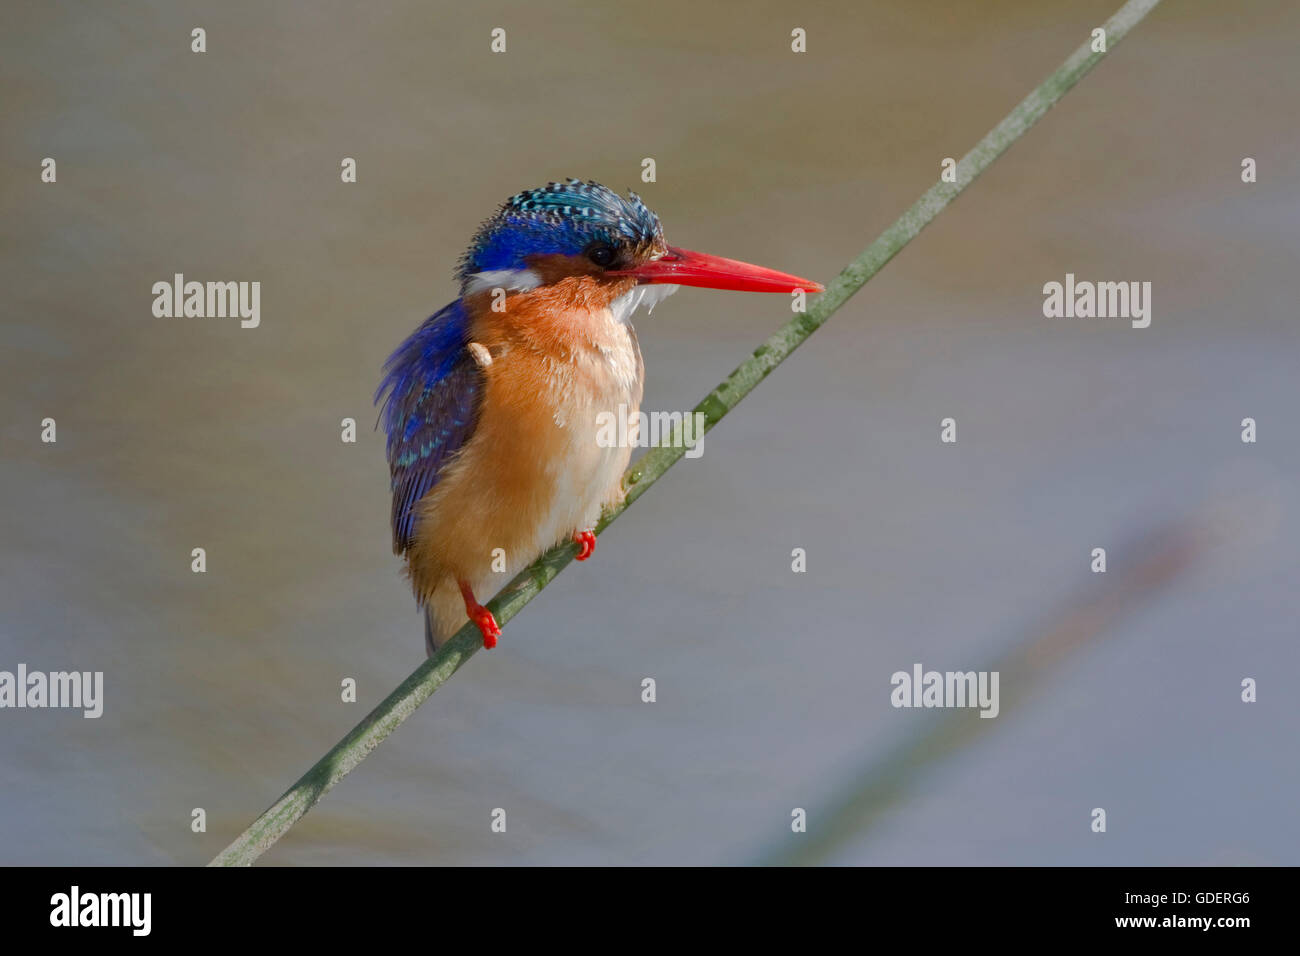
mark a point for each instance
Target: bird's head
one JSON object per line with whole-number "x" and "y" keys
{"x": 543, "y": 236}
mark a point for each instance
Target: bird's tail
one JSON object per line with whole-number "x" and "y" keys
{"x": 444, "y": 614}
{"x": 430, "y": 630}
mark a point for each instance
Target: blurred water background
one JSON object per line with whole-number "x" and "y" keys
{"x": 773, "y": 687}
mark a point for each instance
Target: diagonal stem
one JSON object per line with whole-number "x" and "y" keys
{"x": 429, "y": 676}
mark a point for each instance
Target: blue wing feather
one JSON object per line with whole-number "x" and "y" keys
{"x": 430, "y": 394}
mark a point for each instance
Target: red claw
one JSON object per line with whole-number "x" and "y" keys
{"x": 487, "y": 624}
{"x": 586, "y": 541}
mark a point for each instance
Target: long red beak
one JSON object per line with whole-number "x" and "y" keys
{"x": 684, "y": 267}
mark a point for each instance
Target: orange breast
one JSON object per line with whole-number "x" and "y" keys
{"x": 534, "y": 471}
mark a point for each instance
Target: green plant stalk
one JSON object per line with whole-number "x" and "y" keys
{"x": 429, "y": 676}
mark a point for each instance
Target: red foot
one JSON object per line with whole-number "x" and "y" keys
{"x": 487, "y": 624}
{"x": 586, "y": 541}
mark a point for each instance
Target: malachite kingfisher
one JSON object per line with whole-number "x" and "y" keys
{"x": 491, "y": 405}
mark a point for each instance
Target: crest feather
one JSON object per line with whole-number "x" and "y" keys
{"x": 558, "y": 218}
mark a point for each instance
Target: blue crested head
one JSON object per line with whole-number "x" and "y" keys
{"x": 571, "y": 218}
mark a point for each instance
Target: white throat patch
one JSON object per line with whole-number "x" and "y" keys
{"x": 648, "y": 295}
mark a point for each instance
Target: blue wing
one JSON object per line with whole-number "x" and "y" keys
{"x": 430, "y": 393}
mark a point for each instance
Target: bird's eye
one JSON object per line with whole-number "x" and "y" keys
{"x": 602, "y": 253}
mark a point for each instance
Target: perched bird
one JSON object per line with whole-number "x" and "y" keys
{"x": 491, "y": 406}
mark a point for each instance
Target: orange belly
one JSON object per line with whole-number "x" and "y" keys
{"x": 535, "y": 470}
